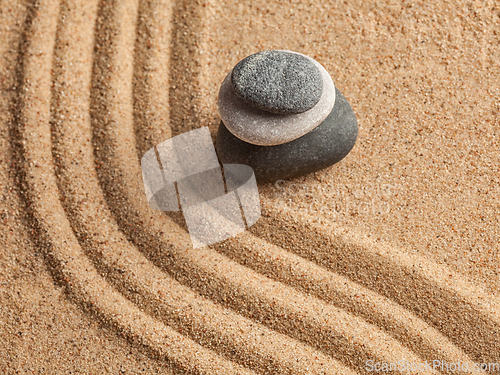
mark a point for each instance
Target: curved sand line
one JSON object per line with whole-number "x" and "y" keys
{"x": 55, "y": 233}
{"x": 437, "y": 295}
{"x": 186, "y": 81}
{"x": 153, "y": 38}
{"x": 308, "y": 277}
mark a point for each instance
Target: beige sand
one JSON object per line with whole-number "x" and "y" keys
{"x": 391, "y": 254}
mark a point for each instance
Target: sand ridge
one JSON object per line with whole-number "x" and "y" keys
{"x": 295, "y": 294}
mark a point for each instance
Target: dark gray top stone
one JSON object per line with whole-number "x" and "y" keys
{"x": 278, "y": 82}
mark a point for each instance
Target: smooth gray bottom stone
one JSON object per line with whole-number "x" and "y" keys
{"x": 324, "y": 146}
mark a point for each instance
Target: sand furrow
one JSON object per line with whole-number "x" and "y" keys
{"x": 284, "y": 266}
{"x": 151, "y": 70}
{"x": 434, "y": 293}
{"x": 55, "y": 235}
{"x": 189, "y": 20}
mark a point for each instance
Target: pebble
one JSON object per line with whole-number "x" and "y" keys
{"x": 259, "y": 127}
{"x": 322, "y": 147}
{"x": 278, "y": 81}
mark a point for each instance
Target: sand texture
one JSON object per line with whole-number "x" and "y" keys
{"x": 392, "y": 254}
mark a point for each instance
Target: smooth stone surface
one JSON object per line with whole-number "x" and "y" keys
{"x": 278, "y": 82}
{"x": 263, "y": 128}
{"x": 324, "y": 146}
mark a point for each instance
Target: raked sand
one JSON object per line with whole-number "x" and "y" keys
{"x": 392, "y": 254}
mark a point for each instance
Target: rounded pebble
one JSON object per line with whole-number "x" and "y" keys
{"x": 278, "y": 81}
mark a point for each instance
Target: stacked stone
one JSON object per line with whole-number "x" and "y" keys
{"x": 282, "y": 115}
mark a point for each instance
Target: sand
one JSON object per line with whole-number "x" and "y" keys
{"x": 390, "y": 255}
